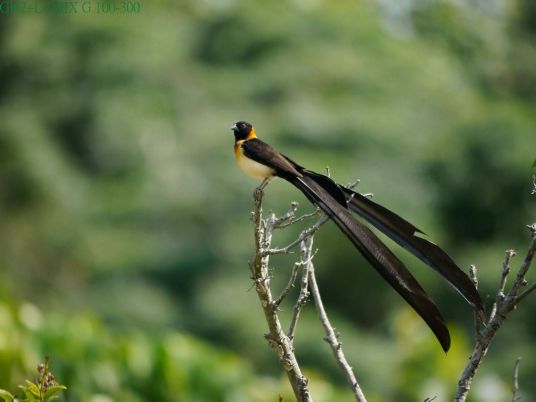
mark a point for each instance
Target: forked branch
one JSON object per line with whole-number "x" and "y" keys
{"x": 277, "y": 338}
{"x": 283, "y": 342}
{"x": 505, "y": 302}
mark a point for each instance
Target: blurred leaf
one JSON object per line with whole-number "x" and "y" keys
{"x": 51, "y": 392}
{"x": 33, "y": 388}
{"x": 6, "y": 396}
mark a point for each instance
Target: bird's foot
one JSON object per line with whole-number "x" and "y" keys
{"x": 258, "y": 193}
{"x": 265, "y": 183}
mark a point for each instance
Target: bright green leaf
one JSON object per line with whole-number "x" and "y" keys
{"x": 29, "y": 396}
{"x": 6, "y": 396}
{"x": 52, "y": 391}
{"x": 534, "y": 163}
{"x": 34, "y": 389}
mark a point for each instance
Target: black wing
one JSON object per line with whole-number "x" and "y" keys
{"x": 267, "y": 155}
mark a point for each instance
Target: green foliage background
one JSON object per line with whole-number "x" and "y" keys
{"x": 124, "y": 235}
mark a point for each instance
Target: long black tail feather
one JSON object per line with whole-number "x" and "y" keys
{"x": 404, "y": 233}
{"x": 328, "y": 196}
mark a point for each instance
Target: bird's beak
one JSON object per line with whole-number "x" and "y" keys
{"x": 233, "y": 127}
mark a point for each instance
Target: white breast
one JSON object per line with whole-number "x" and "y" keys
{"x": 252, "y": 168}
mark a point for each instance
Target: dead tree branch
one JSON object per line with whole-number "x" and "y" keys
{"x": 504, "y": 304}
{"x": 261, "y": 277}
{"x": 515, "y": 393}
{"x": 332, "y": 337}
{"x": 306, "y": 255}
{"x": 281, "y": 342}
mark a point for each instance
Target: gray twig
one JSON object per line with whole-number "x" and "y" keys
{"x": 276, "y": 338}
{"x": 287, "y": 216}
{"x": 353, "y": 184}
{"x": 298, "y": 219}
{"x": 306, "y": 256}
{"x": 527, "y": 292}
{"x": 332, "y": 338}
{"x": 509, "y": 254}
{"x": 524, "y": 269}
{"x": 503, "y": 306}
{"x": 304, "y": 235}
{"x": 515, "y": 393}
{"x": 477, "y": 315}
{"x": 520, "y": 279}
{"x": 290, "y": 284}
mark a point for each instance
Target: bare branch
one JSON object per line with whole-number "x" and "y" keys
{"x": 353, "y": 184}
{"x": 332, "y": 338}
{"x": 298, "y": 219}
{"x": 472, "y": 275}
{"x": 304, "y": 235}
{"x": 499, "y": 298}
{"x": 503, "y": 306}
{"x": 276, "y": 337}
{"x": 292, "y": 279}
{"x": 478, "y": 319}
{"x": 287, "y": 216}
{"x": 520, "y": 280}
{"x": 525, "y": 267}
{"x": 515, "y": 394}
{"x": 506, "y": 270}
{"x": 306, "y": 254}
{"x": 527, "y": 292}
{"x": 290, "y": 284}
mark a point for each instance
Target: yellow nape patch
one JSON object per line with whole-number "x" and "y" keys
{"x": 249, "y": 166}
{"x": 251, "y": 134}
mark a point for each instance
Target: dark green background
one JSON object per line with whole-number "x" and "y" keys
{"x": 124, "y": 223}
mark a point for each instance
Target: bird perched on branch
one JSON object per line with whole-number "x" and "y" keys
{"x": 260, "y": 160}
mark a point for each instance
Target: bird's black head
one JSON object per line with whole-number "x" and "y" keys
{"x": 243, "y": 130}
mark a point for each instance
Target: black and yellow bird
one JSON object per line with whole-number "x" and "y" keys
{"x": 260, "y": 160}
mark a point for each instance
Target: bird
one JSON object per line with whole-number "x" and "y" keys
{"x": 260, "y": 160}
